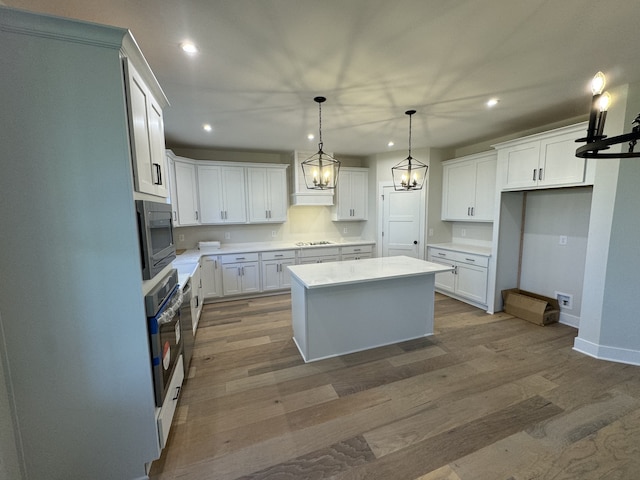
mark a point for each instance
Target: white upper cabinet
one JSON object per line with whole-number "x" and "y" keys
{"x": 146, "y": 130}
{"x": 221, "y": 191}
{"x": 351, "y": 194}
{"x": 267, "y": 194}
{"x": 469, "y": 188}
{"x": 185, "y": 200}
{"x": 544, "y": 160}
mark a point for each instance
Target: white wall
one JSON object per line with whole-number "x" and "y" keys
{"x": 547, "y": 266}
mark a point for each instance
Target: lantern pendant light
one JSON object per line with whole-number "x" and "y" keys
{"x": 320, "y": 170}
{"x": 410, "y": 173}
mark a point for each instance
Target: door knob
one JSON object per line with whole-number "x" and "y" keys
{"x": 415, "y": 242}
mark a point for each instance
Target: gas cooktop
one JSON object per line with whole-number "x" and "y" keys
{"x": 309, "y": 244}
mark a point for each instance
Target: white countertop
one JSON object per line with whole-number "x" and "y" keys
{"x": 463, "y": 247}
{"x": 187, "y": 262}
{"x": 366, "y": 270}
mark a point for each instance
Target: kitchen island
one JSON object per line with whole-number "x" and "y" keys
{"x": 346, "y": 307}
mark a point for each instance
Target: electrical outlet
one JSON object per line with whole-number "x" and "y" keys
{"x": 565, "y": 300}
{"x": 345, "y": 230}
{"x": 227, "y": 235}
{"x": 273, "y": 233}
{"x": 431, "y": 232}
{"x": 563, "y": 240}
{"x": 181, "y": 238}
{"x": 463, "y": 232}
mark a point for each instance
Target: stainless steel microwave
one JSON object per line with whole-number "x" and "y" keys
{"x": 155, "y": 227}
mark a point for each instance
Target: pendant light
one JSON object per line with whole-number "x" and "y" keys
{"x": 410, "y": 173}
{"x": 320, "y": 170}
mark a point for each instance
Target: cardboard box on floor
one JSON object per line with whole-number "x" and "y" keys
{"x": 529, "y": 306}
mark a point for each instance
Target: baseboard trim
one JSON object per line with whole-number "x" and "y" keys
{"x": 603, "y": 352}
{"x": 571, "y": 320}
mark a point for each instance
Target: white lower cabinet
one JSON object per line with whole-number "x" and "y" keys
{"x": 356, "y": 252}
{"x": 165, "y": 413}
{"x": 196, "y": 297}
{"x": 319, "y": 255}
{"x": 468, "y": 279}
{"x": 275, "y": 274}
{"x": 211, "y": 277}
{"x": 240, "y": 273}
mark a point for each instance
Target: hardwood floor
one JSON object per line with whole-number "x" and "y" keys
{"x": 487, "y": 397}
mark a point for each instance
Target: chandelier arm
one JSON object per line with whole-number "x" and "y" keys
{"x": 592, "y": 149}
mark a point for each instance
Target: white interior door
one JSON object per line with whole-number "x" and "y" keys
{"x": 401, "y": 226}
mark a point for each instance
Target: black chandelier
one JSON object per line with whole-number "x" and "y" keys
{"x": 595, "y": 140}
{"x": 320, "y": 170}
{"x": 410, "y": 173}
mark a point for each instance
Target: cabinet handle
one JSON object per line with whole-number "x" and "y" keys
{"x": 215, "y": 264}
{"x": 540, "y": 174}
{"x": 197, "y": 218}
{"x": 240, "y": 258}
{"x": 242, "y": 268}
{"x": 177, "y": 393}
{"x": 534, "y": 174}
{"x": 238, "y": 271}
{"x": 470, "y": 259}
{"x": 269, "y": 213}
{"x": 357, "y": 249}
{"x": 473, "y": 211}
{"x": 175, "y": 216}
{"x": 279, "y": 255}
{"x": 158, "y": 174}
{"x": 442, "y": 254}
{"x": 455, "y": 269}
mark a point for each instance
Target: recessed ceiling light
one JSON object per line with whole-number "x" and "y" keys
{"x": 189, "y": 47}
{"x": 492, "y": 102}
{"x": 207, "y": 127}
{"x": 311, "y": 136}
{"x": 390, "y": 144}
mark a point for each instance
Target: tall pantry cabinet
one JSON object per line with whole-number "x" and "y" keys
{"x": 73, "y": 337}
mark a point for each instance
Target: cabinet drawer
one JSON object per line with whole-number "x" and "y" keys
{"x": 319, "y": 252}
{"x": 357, "y": 249}
{"x": 458, "y": 256}
{"x": 239, "y": 257}
{"x": 168, "y": 408}
{"x": 278, "y": 255}
{"x": 472, "y": 259}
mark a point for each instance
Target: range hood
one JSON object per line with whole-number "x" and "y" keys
{"x": 301, "y": 195}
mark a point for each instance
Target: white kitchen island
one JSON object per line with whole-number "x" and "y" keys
{"x": 345, "y": 307}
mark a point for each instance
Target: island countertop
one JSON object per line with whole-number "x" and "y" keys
{"x": 319, "y": 275}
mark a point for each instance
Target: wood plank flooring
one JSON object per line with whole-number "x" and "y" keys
{"x": 488, "y": 397}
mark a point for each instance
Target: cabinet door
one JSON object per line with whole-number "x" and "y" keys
{"x": 186, "y": 198}
{"x": 146, "y": 130}
{"x": 458, "y": 190}
{"x": 271, "y": 275}
{"x": 521, "y": 164}
{"x": 250, "y": 277}
{"x": 445, "y": 280}
{"x": 210, "y": 194}
{"x": 211, "y": 277}
{"x": 359, "y": 194}
{"x": 343, "y": 195}
{"x": 471, "y": 282}
{"x": 277, "y": 194}
{"x": 484, "y": 206}
{"x": 231, "y": 283}
{"x": 234, "y": 200}
{"x": 258, "y": 195}
{"x": 559, "y": 164}
{"x": 156, "y": 142}
{"x": 285, "y": 274}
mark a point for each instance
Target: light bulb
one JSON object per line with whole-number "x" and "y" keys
{"x": 604, "y": 101}
{"x": 598, "y": 83}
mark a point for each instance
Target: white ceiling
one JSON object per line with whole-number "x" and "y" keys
{"x": 261, "y": 62}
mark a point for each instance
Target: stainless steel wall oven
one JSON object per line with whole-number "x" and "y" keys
{"x": 165, "y": 335}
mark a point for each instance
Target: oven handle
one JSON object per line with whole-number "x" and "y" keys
{"x": 172, "y": 308}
